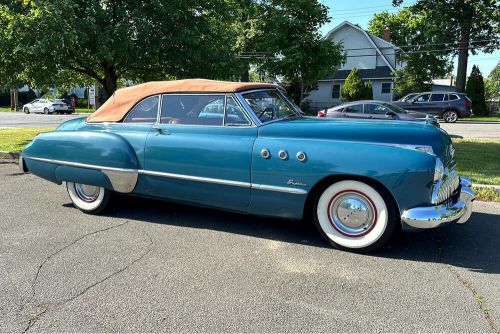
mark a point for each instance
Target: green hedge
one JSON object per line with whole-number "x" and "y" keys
{"x": 24, "y": 97}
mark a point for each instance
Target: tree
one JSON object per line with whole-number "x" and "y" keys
{"x": 469, "y": 25}
{"x": 286, "y": 43}
{"x": 353, "y": 89}
{"x": 475, "y": 91}
{"x": 492, "y": 84}
{"x": 77, "y": 42}
{"x": 412, "y": 30}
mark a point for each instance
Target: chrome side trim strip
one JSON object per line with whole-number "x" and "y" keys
{"x": 78, "y": 164}
{"x": 122, "y": 185}
{"x": 196, "y": 178}
{"x": 279, "y": 189}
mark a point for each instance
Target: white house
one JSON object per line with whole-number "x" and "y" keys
{"x": 374, "y": 57}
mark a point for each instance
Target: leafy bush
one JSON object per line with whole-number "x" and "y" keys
{"x": 475, "y": 91}
{"x": 353, "y": 88}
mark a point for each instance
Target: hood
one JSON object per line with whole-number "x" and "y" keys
{"x": 387, "y": 132}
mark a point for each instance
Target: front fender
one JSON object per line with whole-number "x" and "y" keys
{"x": 405, "y": 173}
{"x": 97, "y": 158}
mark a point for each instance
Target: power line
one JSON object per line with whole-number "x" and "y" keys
{"x": 369, "y": 7}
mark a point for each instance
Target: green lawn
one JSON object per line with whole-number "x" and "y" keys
{"x": 4, "y": 109}
{"x": 495, "y": 118}
{"x": 14, "y": 140}
{"x": 478, "y": 159}
{"x": 83, "y": 110}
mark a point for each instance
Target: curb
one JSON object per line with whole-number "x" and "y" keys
{"x": 9, "y": 155}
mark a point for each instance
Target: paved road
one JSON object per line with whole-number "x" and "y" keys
{"x": 468, "y": 129}
{"x": 152, "y": 266}
{"x": 22, "y": 120}
{"x": 461, "y": 129}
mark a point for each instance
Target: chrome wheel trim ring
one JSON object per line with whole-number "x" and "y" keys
{"x": 86, "y": 192}
{"x": 352, "y": 213}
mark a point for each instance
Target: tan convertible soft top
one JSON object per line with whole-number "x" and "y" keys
{"x": 118, "y": 105}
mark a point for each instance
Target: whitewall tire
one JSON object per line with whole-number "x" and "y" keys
{"x": 352, "y": 215}
{"x": 89, "y": 199}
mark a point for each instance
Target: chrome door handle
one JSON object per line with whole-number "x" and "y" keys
{"x": 160, "y": 131}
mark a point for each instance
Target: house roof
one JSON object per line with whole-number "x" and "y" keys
{"x": 371, "y": 38}
{"x": 118, "y": 105}
{"x": 372, "y": 73}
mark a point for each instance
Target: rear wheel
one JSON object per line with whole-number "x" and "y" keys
{"x": 450, "y": 116}
{"x": 87, "y": 198}
{"x": 45, "y": 111}
{"x": 352, "y": 215}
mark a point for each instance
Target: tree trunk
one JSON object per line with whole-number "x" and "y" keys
{"x": 110, "y": 82}
{"x": 245, "y": 76}
{"x": 463, "y": 55}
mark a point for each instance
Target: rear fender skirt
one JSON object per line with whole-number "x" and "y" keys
{"x": 96, "y": 158}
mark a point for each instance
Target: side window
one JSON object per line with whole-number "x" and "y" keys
{"x": 234, "y": 113}
{"x": 386, "y": 87}
{"x": 195, "y": 109}
{"x": 437, "y": 97}
{"x": 145, "y": 111}
{"x": 376, "y": 109}
{"x": 422, "y": 98}
{"x": 454, "y": 97}
{"x": 336, "y": 91}
{"x": 354, "y": 109}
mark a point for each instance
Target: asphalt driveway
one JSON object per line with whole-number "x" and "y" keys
{"x": 152, "y": 266}
{"x": 472, "y": 129}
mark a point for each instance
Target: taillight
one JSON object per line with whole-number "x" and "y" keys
{"x": 467, "y": 104}
{"x": 321, "y": 114}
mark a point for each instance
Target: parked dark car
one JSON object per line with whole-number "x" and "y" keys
{"x": 408, "y": 97}
{"x": 371, "y": 109}
{"x": 449, "y": 106}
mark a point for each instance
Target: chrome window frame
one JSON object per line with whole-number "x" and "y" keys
{"x": 245, "y": 112}
{"x": 130, "y": 110}
{"x": 252, "y": 114}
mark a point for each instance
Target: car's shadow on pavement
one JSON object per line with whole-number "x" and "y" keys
{"x": 473, "y": 245}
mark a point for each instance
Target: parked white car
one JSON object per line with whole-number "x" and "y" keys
{"x": 47, "y": 106}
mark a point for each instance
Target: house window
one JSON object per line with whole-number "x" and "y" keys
{"x": 336, "y": 91}
{"x": 386, "y": 87}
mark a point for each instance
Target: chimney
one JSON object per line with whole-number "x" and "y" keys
{"x": 387, "y": 34}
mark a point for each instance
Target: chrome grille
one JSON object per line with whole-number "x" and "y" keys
{"x": 444, "y": 188}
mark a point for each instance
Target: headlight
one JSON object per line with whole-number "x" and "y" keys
{"x": 438, "y": 170}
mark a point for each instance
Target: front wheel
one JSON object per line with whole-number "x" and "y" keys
{"x": 87, "y": 198}
{"x": 352, "y": 215}
{"x": 45, "y": 111}
{"x": 26, "y": 110}
{"x": 450, "y": 116}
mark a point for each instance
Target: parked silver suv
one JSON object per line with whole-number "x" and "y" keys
{"x": 449, "y": 106}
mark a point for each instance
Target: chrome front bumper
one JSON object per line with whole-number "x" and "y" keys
{"x": 434, "y": 216}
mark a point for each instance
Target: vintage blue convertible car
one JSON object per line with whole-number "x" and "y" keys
{"x": 245, "y": 147}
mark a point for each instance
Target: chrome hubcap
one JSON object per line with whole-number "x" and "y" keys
{"x": 86, "y": 192}
{"x": 352, "y": 214}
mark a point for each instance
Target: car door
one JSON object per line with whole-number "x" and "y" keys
{"x": 196, "y": 155}
{"x": 437, "y": 104}
{"x": 355, "y": 111}
{"x": 37, "y": 105}
{"x": 420, "y": 103}
{"x": 378, "y": 111}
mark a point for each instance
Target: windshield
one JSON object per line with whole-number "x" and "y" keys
{"x": 396, "y": 108}
{"x": 270, "y": 105}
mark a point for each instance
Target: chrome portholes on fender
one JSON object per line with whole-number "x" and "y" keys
{"x": 283, "y": 155}
{"x": 301, "y": 156}
{"x": 353, "y": 215}
{"x": 265, "y": 153}
{"x": 88, "y": 198}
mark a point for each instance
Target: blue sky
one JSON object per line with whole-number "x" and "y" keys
{"x": 360, "y": 12}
